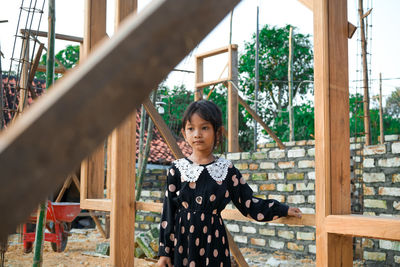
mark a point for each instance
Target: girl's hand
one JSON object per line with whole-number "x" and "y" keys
{"x": 295, "y": 212}
{"x": 164, "y": 262}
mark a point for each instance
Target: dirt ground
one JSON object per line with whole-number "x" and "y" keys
{"x": 83, "y": 242}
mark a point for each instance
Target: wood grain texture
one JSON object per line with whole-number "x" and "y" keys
{"x": 123, "y": 173}
{"x": 364, "y": 226}
{"x": 94, "y": 98}
{"x": 332, "y": 148}
{"x": 163, "y": 128}
{"x": 233, "y": 101}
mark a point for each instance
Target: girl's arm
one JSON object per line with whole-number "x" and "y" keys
{"x": 167, "y": 225}
{"x": 257, "y": 208}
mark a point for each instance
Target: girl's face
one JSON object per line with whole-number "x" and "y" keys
{"x": 199, "y": 133}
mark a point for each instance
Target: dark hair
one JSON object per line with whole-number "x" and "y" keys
{"x": 208, "y": 111}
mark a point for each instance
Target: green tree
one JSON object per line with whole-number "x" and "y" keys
{"x": 393, "y": 104}
{"x": 273, "y": 70}
{"x": 69, "y": 57}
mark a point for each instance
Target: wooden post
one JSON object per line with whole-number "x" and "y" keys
{"x": 290, "y": 83}
{"x": 233, "y": 120}
{"x": 123, "y": 160}
{"x": 367, "y": 119}
{"x": 332, "y": 148}
{"x": 382, "y": 134}
{"x": 92, "y": 168}
{"x": 198, "y": 94}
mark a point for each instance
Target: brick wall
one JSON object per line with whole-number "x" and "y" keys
{"x": 288, "y": 175}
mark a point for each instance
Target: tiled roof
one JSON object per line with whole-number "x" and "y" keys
{"x": 159, "y": 150}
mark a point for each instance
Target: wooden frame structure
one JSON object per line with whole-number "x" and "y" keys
{"x": 85, "y": 106}
{"x": 231, "y": 82}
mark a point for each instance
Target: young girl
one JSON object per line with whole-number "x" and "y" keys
{"x": 198, "y": 189}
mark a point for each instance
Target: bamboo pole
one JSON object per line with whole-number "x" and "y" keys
{"x": 41, "y": 220}
{"x": 290, "y": 83}
{"x": 367, "y": 122}
{"x": 382, "y": 134}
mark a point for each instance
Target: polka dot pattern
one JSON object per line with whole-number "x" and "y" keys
{"x": 194, "y": 209}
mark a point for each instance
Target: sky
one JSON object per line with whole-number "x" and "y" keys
{"x": 384, "y": 34}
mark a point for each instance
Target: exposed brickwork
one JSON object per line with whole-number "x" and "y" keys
{"x": 289, "y": 176}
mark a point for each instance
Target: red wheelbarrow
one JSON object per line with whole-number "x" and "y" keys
{"x": 59, "y": 214}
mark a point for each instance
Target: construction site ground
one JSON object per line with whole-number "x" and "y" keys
{"x": 81, "y": 251}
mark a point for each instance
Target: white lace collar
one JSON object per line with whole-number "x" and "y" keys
{"x": 190, "y": 172}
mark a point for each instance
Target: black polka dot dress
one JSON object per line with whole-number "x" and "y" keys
{"x": 192, "y": 232}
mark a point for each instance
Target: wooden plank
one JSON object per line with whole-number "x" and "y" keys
{"x": 92, "y": 168}
{"x": 364, "y": 226}
{"x": 331, "y": 128}
{"x": 58, "y": 36}
{"x": 205, "y": 84}
{"x": 237, "y": 254}
{"x": 163, "y": 128}
{"x": 221, "y": 50}
{"x": 98, "y": 224}
{"x": 33, "y": 70}
{"x": 233, "y": 106}
{"x": 122, "y": 174}
{"x": 96, "y": 204}
{"x": 122, "y": 237}
{"x": 351, "y": 27}
{"x": 234, "y": 214}
{"x": 261, "y": 122}
{"x": 64, "y": 188}
{"x": 94, "y": 98}
{"x": 198, "y": 94}
{"x": 61, "y": 70}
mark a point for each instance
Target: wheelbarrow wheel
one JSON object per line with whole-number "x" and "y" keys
{"x": 64, "y": 237}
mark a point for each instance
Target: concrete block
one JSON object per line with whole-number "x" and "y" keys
{"x": 258, "y": 242}
{"x": 286, "y": 164}
{"x": 276, "y": 176}
{"x": 374, "y": 177}
{"x": 242, "y": 166}
{"x": 296, "y": 199}
{"x": 305, "y": 236}
{"x": 391, "y": 137}
{"x": 375, "y": 203}
{"x": 305, "y": 187}
{"x": 267, "y": 165}
{"x": 295, "y": 176}
{"x": 240, "y": 239}
{"x": 285, "y": 187}
{"x": 259, "y": 176}
{"x": 311, "y": 199}
{"x": 306, "y": 164}
{"x": 374, "y": 256}
{"x": 396, "y": 178}
{"x": 311, "y": 175}
{"x": 253, "y": 166}
{"x": 389, "y": 191}
{"x": 233, "y": 228}
{"x": 286, "y": 234}
{"x": 295, "y": 247}
{"x": 249, "y": 229}
{"x": 390, "y": 162}
{"x": 266, "y": 231}
{"x": 390, "y": 245}
{"x": 396, "y": 148}
{"x": 374, "y": 150}
{"x": 368, "y": 191}
{"x": 312, "y": 249}
{"x": 369, "y": 163}
{"x": 296, "y": 153}
{"x": 246, "y": 155}
{"x": 259, "y": 155}
{"x": 276, "y": 244}
{"x": 267, "y": 187}
{"x": 233, "y": 156}
{"x": 277, "y": 154}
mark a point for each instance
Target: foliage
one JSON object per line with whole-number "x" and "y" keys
{"x": 391, "y": 125}
{"x": 273, "y": 69}
{"x": 303, "y": 123}
{"x": 69, "y": 57}
{"x": 393, "y": 104}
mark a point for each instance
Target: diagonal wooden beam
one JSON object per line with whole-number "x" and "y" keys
{"x": 74, "y": 118}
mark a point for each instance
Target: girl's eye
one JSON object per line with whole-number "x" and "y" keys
{"x": 190, "y": 128}
{"x": 205, "y": 128}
